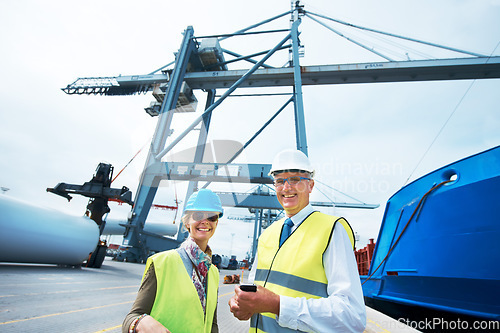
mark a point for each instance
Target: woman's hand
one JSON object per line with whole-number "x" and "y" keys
{"x": 150, "y": 325}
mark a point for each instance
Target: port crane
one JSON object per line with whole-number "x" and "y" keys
{"x": 200, "y": 64}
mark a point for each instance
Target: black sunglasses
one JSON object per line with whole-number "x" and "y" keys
{"x": 200, "y": 216}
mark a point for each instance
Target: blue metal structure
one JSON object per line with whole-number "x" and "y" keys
{"x": 438, "y": 248}
{"x": 134, "y": 233}
{"x": 155, "y": 170}
{"x": 372, "y": 72}
{"x": 214, "y": 75}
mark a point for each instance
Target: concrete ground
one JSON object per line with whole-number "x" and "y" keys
{"x": 48, "y": 298}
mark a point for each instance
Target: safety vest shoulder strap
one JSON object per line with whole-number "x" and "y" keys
{"x": 348, "y": 229}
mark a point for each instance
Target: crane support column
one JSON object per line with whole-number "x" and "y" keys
{"x": 198, "y": 156}
{"x": 300, "y": 127}
{"x": 150, "y": 179}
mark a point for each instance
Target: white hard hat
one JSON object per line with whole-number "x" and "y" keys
{"x": 291, "y": 160}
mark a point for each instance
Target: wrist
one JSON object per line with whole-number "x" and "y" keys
{"x": 135, "y": 323}
{"x": 276, "y": 307}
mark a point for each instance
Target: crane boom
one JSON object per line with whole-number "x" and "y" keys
{"x": 395, "y": 71}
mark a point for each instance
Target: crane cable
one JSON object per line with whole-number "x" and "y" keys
{"x": 126, "y": 165}
{"x": 448, "y": 120}
{"x": 419, "y": 207}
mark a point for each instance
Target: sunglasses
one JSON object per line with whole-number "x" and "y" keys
{"x": 200, "y": 216}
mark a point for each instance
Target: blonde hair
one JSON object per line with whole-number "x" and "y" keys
{"x": 185, "y": 220}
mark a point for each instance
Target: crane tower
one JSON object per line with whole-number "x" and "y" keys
{"x": 200, "y": 64}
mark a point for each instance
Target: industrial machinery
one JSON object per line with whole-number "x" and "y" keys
{"x": 99, "y": 190}
{"x": 200, "y": 64}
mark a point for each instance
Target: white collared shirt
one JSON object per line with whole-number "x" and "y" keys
{"x": 344, "y": 308}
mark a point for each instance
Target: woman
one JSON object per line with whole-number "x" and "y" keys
{"x": 179, "y": 287}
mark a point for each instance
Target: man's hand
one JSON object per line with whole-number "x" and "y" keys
{"x": 244, "y": 304}
{"x": 236, "y": 311}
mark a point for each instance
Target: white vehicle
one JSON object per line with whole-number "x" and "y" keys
{"x": 224, "y": 261}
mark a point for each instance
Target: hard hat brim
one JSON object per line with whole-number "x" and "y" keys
{"x": 205, "y": 210}
{"x": 275, "y": 172}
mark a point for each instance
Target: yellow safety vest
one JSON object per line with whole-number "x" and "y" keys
{"x": 296, "y": 269}
{"x": 177, "y": 305}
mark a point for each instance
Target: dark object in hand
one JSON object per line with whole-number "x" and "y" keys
{"x": 248, "y": 287}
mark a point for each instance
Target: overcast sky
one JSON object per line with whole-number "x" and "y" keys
{"x": 366, "y": 140}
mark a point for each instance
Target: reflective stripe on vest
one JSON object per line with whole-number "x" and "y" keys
{"x": 296, "y": 269}
{"x": 177, "y": 305}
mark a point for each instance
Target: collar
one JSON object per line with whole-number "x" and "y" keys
{"x": 301, "y": 216}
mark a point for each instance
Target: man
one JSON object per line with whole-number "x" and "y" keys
{"x": 309, "y": 283}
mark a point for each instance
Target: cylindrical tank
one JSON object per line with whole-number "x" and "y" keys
{"x": 113, "y": 227}
{"x": 31, "y": 234}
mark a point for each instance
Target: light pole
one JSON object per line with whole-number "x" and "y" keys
{"x": 231, "y": 251}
